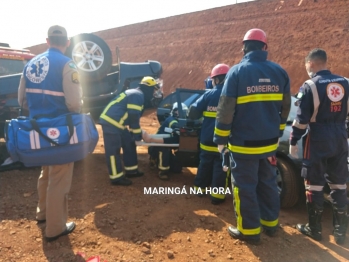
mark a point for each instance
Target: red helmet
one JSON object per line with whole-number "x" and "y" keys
{"x": 220, "y": 69}
{"x": 256, "y": 34}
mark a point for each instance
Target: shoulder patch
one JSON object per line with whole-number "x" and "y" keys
{"x": 72, "y": 65}
{"x": 75, "y": 77}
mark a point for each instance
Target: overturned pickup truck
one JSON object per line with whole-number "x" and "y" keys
{"x": 101, "y": 80}
{"x": 289, "y": 181}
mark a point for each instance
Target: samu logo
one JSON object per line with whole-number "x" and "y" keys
{"x": 37, "y": 69}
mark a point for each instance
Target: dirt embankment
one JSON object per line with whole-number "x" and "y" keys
{"x": 189, "y": 45}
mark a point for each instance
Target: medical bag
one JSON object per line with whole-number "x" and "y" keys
{"x": 47, "y": 141}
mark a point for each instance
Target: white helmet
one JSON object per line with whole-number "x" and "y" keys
{"x": 174, "y": 111}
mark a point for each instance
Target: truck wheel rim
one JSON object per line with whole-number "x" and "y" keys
{"x": 88, "y": 56}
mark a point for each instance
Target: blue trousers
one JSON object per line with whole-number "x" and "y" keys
{"x": 113, "y": 142}
{"x": 325, "y": 162}
{"x": 256, "y": 197}
{"x": 210, "y": 173}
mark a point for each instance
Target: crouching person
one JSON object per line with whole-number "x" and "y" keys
{"x": 163, "y": 157}
{"x": 121, "y": 128}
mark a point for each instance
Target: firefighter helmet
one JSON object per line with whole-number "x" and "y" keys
{"x": 149, "y": 81}
{"x": 174, "y": 111}
{"x": 256, "y": 34}
{"x": 220, "y": 69}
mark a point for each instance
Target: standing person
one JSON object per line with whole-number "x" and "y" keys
{"x": 125, "y": 110}
{"x": 251, "y": 116}
{"x": 50, "y": 86}
{"x": 323, "y": 110}
{"x": 210, "y": 172}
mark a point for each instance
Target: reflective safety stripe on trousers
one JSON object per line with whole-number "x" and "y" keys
{"x": 253, "y": 231}
{"x": 222, "y": 196}
{"x": 114, "y": 174}
{"x": 252, "y": 150}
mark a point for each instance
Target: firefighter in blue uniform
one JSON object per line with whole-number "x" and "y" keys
{"x": 210, "y": 171}
{"x": 125, "y": 110}
{"x": 162, "y": 157}
{"x": 323, "y": 110}
{"x": 251, "y": 116}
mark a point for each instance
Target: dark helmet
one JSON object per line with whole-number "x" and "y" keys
{"x": 208, "y": 83}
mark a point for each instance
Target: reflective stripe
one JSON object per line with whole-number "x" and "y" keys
{"x": 122, "y": 119}
{"x": 136, "y": 131}
{"x": 221, "y": 132}
{"x": 34, "y": 140}
{"x": 282, "y": 126}
{"x": 313, "y": 188}
{"x": 136, "y": 107}
{"x": 112, "y": 121}
{"x": 120, "y": 98}
{"x": 298, "y": 125}
{"x": 259, "y": 98}
{"x": 210, "y": 114}
{"x": 254, "y": 231}
{"x": 74, "y": 139}
{"x": 336, "y": 186}
{"x": 270, "y": 223}
{"x": 252, "y": 150}
{"x": 219, "y": 196}
{"x": 160, "y": 166}
{"x": 172, "y": 122}
{"x": 202, "y": 189}
{"x": 43, "y": 91}
{"x": 130, "y": 168}
{"x": 114, "y": 174}
{"x": 209, "y": 148}
{"x": 316, "y": 99}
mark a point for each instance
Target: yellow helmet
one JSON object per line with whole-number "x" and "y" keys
{"x": 148, "y": 81}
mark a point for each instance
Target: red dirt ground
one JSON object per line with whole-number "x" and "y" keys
{"x": 123, "y": 223}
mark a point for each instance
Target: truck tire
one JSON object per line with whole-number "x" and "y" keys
{"x": 91, "y": 55}
{"x": 289, "y": 183}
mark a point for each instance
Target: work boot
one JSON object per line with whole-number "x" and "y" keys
{"x": 152, "y": 163}
{"x": 340, "y": 222}
{"x": 271, "y": 232}
{"x": 313, "y": 228}
{"x": 121, "y": 182}
{"x": 163, "y": 175}
{"x": 235, "y": 233}
{"x": 133, "y": 173}
{"x": 215, "y": 201}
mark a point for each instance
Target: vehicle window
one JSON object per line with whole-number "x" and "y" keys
{"x": 10, "y": 66}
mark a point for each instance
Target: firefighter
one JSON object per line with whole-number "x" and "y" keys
{"x": 125, "y": 110}
{"x": 251, "y": 116}
{"x": 162, "y": 157}
{"x": 210, "y": 171}
{"x": 323, "y": 110}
